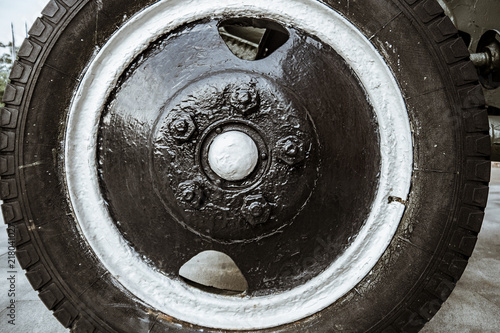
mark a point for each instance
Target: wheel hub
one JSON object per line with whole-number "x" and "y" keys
{"x": 246, "y": 149}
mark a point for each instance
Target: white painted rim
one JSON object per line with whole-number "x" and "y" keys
{"x": 173, "y": 297}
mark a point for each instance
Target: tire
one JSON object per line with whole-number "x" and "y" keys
{"x": 405, "y": 284}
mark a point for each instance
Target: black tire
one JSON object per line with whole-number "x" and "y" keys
{"x": 407, "y": 286}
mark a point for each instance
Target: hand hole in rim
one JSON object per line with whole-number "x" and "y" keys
{"x": 252, "y": 39}
{"x": 214, "y": 272}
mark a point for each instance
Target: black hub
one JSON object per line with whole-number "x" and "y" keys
{"x": 287, "y": 157}
{"x": 313, "y": 182}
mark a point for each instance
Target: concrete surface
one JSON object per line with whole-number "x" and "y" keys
{"x": 473, "y": 307}
{"x": 31, "y": 315}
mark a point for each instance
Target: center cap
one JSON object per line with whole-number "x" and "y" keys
{"x": 233, "y": 155}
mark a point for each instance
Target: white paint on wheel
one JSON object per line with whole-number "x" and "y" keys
{"x": 171, "y": 296}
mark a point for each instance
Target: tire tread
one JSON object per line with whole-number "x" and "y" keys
{"x": 450, "y": 268}
{"x": 32, "y": 49}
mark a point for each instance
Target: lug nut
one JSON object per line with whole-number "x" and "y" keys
{"x": 291, "y": 150}
{"x": 255, "y": 209}
{"x": 245, "y": 99}
{"x": 242, "y": 96}
{"x": 190, "y": 193}
{"x": 182, "y": 126}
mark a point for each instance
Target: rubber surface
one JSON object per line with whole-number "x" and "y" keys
{"x": 417, "y": 273}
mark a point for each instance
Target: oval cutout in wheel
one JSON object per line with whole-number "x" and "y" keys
{"x": 215, "y": 270}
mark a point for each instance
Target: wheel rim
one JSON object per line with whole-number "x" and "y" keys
{"x": 170, "y": 295}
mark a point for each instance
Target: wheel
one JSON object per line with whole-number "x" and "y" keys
{"x": 341, "y": 172}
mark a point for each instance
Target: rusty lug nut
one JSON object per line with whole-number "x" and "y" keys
{"x": 291, "y": 150}
{"x": 245, "y": 99}
{"x": 191, "y": 193}
{"x": 255, "y": 209}
{"x": 182, "y": 127}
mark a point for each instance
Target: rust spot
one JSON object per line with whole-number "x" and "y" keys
{"x": 396, "y": 199}
{"x": 167, "y": 318}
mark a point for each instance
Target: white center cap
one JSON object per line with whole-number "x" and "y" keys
{"x": 233, "y": 155}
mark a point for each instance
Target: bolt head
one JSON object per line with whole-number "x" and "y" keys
{"x": 181, "y": 126}
{"x": 291, "y": 150}
{"x": 245, "y": 99}
{"x": 255, "y": 209}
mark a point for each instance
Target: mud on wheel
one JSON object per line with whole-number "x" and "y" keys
{"x": 343, "y": 169}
